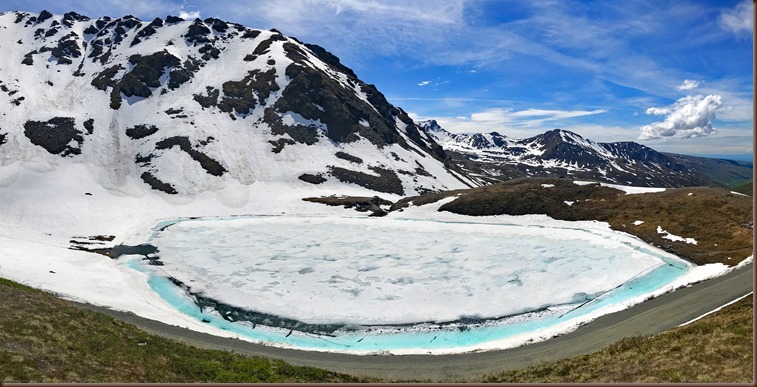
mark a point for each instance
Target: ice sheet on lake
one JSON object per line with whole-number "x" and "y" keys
{"x": 390, "y": 271}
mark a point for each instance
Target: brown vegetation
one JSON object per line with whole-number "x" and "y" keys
{"x": 720, "y": 221}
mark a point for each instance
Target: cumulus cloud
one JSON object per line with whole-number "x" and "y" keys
{"x": 689, "y": 117}
{"x": 688, "y": 85}
{"x": 424, "y": 83}
{"x": 738, "y": 19}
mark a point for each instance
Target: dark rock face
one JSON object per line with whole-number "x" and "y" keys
{"x": 70, "y": 17}
{"x": 146, "y": 73}
{"x": 141, "y": 131}
{"x": 250, "y": 34}
{"x": 209, "y": 99}
{"x": 217, "y": 24}
{"x": 44, "y": 15}
{"x": 173, "y": 19}
{"x": 180, "y": 75}
{"x": 360, "y": 204}
{"x": 242, "y": 96}
{"x": 89, "y": 125}
{"x": 105, "y": 79}
{"x": 156, "y": 184}
{"x": 198, "y": 33}
{"x": 278, "y": 144}
{"x": 312, "y": 179}
{"x": 67, "y": 48}
{"x": 342, "y": 112}
{"x": 3, "y": 139}
{"x": 210, "y": 165}
{"x": 386, "y": 181}
{"x": 29, "y": 58}
{"x": 209, "y": 52}
{"x": 331, "y": 59}
{"x": 55, "y": 135}
{"x": 349, "y": 157}
{"x": 300, "y": 133}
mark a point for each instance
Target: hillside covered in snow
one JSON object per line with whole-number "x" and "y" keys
{"x": 184, "y": 107}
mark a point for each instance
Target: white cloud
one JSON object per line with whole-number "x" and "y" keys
{"x": 556, "y": 114}
{"x": 689, "y": 117}
{"x": 658, "y": 111}
{"x": 527, "y": 117}
{"x": 424, "y": 83}
{"x": 688, "y": 84}
{"x": 738, "y": 19}
{"x": 189, "y": 15}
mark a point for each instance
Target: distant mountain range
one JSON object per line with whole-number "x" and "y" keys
{"x": 492, "y": 157}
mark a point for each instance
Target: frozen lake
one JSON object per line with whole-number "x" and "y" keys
{"x": 398, "y": 284}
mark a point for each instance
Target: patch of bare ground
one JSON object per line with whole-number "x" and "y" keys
{"x": 359, "y": 203}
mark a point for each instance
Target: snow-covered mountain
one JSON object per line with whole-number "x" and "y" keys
{"x": 491, "y": 157}
{"x": 183, "y": 107}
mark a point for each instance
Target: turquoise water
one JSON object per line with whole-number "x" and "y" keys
{"x": 420, "y": 339}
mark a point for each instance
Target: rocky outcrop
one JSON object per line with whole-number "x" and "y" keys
{"x": 58, "y": 135}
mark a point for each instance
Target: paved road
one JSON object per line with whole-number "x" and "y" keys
{"x": 647, "y": 318}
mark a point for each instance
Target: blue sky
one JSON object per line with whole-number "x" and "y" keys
{"x": 673, "y": 75}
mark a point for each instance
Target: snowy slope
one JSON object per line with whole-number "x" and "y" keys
{"x": 185, "y": 107}
{"x": 492, "y": 157}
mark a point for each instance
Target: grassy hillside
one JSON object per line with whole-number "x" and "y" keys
{"x": 722, "y": 171}
{"x": 745, "y": 188}
{"x": 45, "y": 339}
{"x": 715, "y": 349}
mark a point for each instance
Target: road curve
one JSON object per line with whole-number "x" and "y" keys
{"x": 647, "y": 318}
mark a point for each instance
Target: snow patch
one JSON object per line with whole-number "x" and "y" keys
{"x": 292, "y": 118}
{"x": 675, "y": 238}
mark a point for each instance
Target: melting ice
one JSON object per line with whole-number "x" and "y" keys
{"x": 401, "y": 272}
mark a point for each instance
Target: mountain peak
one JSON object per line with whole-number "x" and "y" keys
{"x": 202, "y": 105}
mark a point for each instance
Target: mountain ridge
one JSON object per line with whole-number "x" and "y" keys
{"x": 492, "y": 157}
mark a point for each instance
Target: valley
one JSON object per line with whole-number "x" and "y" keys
{"x": 239, "y": 189}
